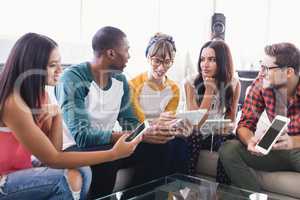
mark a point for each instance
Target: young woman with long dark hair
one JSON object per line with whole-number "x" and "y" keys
{"x": 216, "y": 89}
{"x": 29, "y": 125}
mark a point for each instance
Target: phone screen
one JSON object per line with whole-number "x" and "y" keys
{"x": 135, "y": 132}
{"x": 271, "y": 134}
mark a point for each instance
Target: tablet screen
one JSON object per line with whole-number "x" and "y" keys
{"x": 271, "y": 134}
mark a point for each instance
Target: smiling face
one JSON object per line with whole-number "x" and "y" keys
{"x": 160, "y": 54}
{"x": 160, "y": 66}
{"x": 54, "y": 68}
{"x": 208, "y": 63}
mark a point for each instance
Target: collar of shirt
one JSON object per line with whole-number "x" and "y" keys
{"x": 298, "y": 89}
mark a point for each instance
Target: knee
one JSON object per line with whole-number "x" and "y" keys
{"x": 74, "y": 179}
{"x": 229, "y": 150}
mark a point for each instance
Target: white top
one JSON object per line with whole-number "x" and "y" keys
{"x": 215, "y": 111}
{"x": 104, "y": 112}
{"x": 154, "y": 102}
{"x": 67, "y": 137}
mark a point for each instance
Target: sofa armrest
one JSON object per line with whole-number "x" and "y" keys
{"x": 286, "y": 183}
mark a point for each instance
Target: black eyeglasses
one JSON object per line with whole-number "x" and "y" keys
{"x": 157, "y": 62}
{"x": 265, "y": 69}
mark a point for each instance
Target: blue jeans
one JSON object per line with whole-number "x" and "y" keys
{"x": 41, "y": 183}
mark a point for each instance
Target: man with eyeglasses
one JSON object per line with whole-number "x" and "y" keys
{"x": 277, "y": 91}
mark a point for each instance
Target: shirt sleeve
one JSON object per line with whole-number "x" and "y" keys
{"x": 126, "y": 118}
{"x": 253, "y": 106}
{"x": 70, "y": 94}
{"x": 173, "y": 103}
{"x": 135, "y": 89}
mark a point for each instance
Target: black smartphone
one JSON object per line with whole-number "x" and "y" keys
{"x": 139, "y": 130}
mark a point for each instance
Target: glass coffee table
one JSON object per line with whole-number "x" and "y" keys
{"x": 182, "y": 187}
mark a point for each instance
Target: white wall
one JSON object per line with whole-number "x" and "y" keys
{"x": 250, "y": 25}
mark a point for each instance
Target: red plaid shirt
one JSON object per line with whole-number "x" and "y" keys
{"x": 260, "y": 99}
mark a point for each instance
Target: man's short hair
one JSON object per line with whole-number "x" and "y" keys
{"x": 286, "y": 54}
{"x": 106, "y": 38}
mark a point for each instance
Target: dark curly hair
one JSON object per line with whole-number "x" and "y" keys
{"x": 286, "y": 54}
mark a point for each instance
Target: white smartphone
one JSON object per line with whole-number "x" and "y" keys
{"x": 210, "y": 126}
{"x": 193, "y": 116}
{"x": 270, "y": 137}
{"x": 138, "y": 131}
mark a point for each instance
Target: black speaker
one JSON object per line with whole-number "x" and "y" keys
{"x": 218, "y": 26}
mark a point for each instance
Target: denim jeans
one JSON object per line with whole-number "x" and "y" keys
{"x": 41, "y": 183}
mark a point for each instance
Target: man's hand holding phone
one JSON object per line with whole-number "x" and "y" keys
{"x": 251, "y": 146}
{"x": 285, "y": 142}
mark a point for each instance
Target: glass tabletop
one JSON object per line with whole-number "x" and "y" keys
{"x": 182, "y": 187}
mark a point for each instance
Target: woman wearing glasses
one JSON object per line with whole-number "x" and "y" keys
{"x": 153, "y": 91}
{"x": 155, "y": 96}
{"x": 216, "y": 89}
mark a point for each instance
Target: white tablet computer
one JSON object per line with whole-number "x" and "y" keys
{"x": 272, "y": 134}
{"x": 193, "y": 116}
